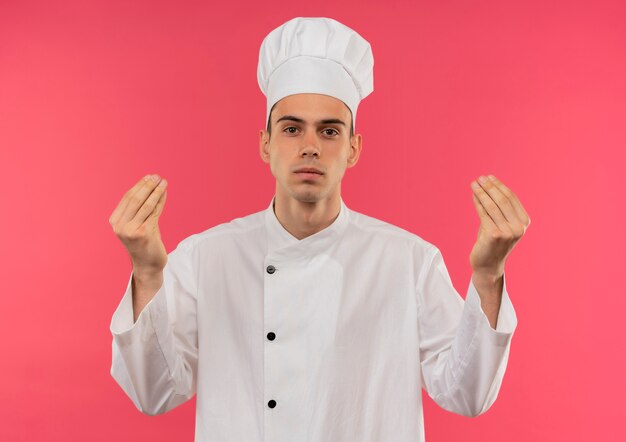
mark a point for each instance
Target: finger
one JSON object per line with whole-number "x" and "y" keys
{"x": 156, "y": 213}
{"x": 136, "y": 200}
{"x": 483, "y": 215}
{"x": 121, "y": 206}
{"x": 503, "y": 202}
{"x": 517, "y": 205}
{"x": 150, "y": 205}
{"x": 492, "y": 208}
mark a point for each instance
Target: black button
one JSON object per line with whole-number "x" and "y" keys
{"x": 271, "y": 336}
{"x": 271, "y": 403}
{"x": 271, "y": 269}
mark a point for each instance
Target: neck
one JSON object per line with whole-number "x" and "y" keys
{"x": 303, "y": 219}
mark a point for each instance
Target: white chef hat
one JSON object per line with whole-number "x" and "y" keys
{"x": 315, "y": 55}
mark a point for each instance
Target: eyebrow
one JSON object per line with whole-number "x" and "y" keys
{"x": 300, "y": 120}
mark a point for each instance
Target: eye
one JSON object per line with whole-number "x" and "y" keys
{"x": 288, "y": 131}
{"x": 334, "y": 132}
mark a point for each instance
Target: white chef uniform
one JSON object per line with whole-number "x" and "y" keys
{"x": 328, "y": 338}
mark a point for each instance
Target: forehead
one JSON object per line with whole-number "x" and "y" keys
{"x": 311, "y": 107}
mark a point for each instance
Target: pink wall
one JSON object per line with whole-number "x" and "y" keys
{"x": 92, "y": 97}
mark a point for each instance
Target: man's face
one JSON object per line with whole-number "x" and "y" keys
{"x": 309, "y": 130}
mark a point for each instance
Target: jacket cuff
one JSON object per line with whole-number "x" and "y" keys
{"x": 507, "y": 319}
{"x": 122, "y": 326}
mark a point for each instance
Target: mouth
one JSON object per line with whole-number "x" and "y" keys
{"x": 309, "y": 170}
{"x": 309, "y": 175}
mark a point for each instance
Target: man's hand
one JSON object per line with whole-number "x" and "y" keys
{"x": 135, "y": 221}
{"x": 503, "y": 221}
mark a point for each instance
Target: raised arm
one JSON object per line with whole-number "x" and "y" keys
{"x": 154, "y": 349}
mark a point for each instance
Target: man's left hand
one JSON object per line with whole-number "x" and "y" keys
{"x": 503, "y": 222}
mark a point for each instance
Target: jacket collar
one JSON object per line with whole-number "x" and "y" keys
{"x": 281, "y": 243}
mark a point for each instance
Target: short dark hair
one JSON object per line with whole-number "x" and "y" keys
{"x": 269, "y": 122}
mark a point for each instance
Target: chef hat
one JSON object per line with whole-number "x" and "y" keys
{"x": 315, "y": 55}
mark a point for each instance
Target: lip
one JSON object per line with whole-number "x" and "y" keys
{"x": 309, "y": 170}
{"x": 309, "y": 175}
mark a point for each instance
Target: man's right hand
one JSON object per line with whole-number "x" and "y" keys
{"x": 135, "y": 221}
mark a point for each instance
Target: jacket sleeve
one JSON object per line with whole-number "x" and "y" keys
{"x": 154, "y": 360}
{"x": 463, "y": 358}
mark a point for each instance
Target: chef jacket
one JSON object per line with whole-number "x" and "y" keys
{"x": 326, "y": 338}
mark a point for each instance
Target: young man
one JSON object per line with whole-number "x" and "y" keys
{"x": 308, "y": 321}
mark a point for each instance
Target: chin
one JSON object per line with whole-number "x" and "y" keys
{"x": 307, "y": 196}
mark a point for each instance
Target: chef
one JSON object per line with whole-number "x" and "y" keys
{"x": 309, "y": 321}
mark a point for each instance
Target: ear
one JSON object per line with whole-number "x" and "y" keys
{"x": 264, "y": 146}
{"x": 356, "y": 144}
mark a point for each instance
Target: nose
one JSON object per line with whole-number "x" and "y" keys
{"x": 310, "y": 146}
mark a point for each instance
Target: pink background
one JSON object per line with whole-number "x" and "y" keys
{"x": 93, "y": 96}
